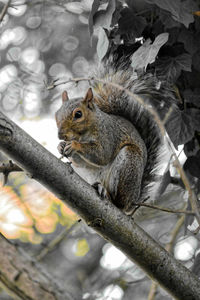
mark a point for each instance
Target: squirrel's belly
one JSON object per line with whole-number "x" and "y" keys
{"x": 91, "y": 175}
{"x": 90, "y": 172}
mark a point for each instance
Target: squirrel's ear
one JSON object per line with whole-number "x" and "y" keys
{"x": 88, "y": 100}
{"x": 65, "y": 97}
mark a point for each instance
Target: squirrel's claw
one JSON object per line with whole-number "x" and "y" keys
{"x": 65, "y": 148}
{"x": 101, "y": 190}
{"x": 67, "y": 151}
{"x": 61, "y": 147}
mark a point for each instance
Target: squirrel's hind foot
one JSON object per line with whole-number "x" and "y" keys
{"x": 101, "y": 190}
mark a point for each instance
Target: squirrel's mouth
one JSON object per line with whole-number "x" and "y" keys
{"x": 70, "y": 139}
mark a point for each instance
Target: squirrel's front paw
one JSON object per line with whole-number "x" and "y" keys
{"x": 70, "y": 147}
{"x": 65, "y": 148}
{"x": 61, "y": 147}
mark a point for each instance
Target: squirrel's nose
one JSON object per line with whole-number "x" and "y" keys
{"x": 61, "y": 134}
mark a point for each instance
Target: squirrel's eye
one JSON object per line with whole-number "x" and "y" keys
{"x": 78, "y": 114}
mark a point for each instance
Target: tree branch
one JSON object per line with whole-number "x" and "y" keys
{"x": 103, "y": 216}
{"x": 166, "y": 209}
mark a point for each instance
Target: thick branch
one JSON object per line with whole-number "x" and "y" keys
{"x": 103, "y": 216}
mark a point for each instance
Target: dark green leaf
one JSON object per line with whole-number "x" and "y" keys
{"x": 181, "y": 11}
{"x": 192, "y": 164}
{"x": 192, "y": 97}
{"x": 194, "y": 113}
{"x": 191, "y": 42}
{"x": 191, "y": 147}
{"x": 167, "y": 20}
{"x": 170, "y": 67}
{"x": 184, "y": 61}
{"x": 180, "y": 127}
{"x": 196, "y": 61}
{"x": 130, "y": 23}
{"x": 191, "y": 79}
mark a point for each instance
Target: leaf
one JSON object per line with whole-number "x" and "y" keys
{"x": 192, "y": 164}
{"x": 196, "y": 60}
{"x": 94, "y": 9}
{"x": 130, "y": 23}
{"x": 167, "y": 20}
{"x": 102, "y": 44}
{"x": 190, "y": 79}
{"x": 173, "y": 36}
{"x": 184, "y": 61}
{"x": 170, "y": 67}
{"x": 191, "y": 147}
{"x": 195, "y": 116}
{"x": 157, "y": 28}
{"x": 192, "y": 96}
{"x": 190, "y": 40}
{"x": 147, "y": 53}
{"x": 160, "y": 40}
{"x": 180, "y": 127}
{"x": 139, "y": 58}
{"x": 103, "y": 17}
{"x": 181, "y": 11}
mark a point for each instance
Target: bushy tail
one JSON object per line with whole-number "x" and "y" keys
{"x": 111, "y": 95}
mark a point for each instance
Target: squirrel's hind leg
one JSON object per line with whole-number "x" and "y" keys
{"x": 125, "y": 177}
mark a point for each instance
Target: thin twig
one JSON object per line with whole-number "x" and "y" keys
{"x": 4, "y": 10}
{"x": 165, "y": 209}
{"x": 6, "y": 169}
{"x": 153, "y": 290}
{"x": 174, "y": 233}
{"x": 167, "y": 115}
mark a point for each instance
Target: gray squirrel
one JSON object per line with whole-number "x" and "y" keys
{"x": 113, "y": 137}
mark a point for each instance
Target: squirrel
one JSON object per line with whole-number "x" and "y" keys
{"x": 112, "y": 137}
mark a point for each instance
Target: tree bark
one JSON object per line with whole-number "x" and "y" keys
{"x": 103, "y": 216}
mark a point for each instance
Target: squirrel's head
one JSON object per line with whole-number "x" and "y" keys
{"x": 75, "y": 117}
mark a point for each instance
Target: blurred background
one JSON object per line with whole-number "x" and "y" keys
{"x": 39, "y": 43}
